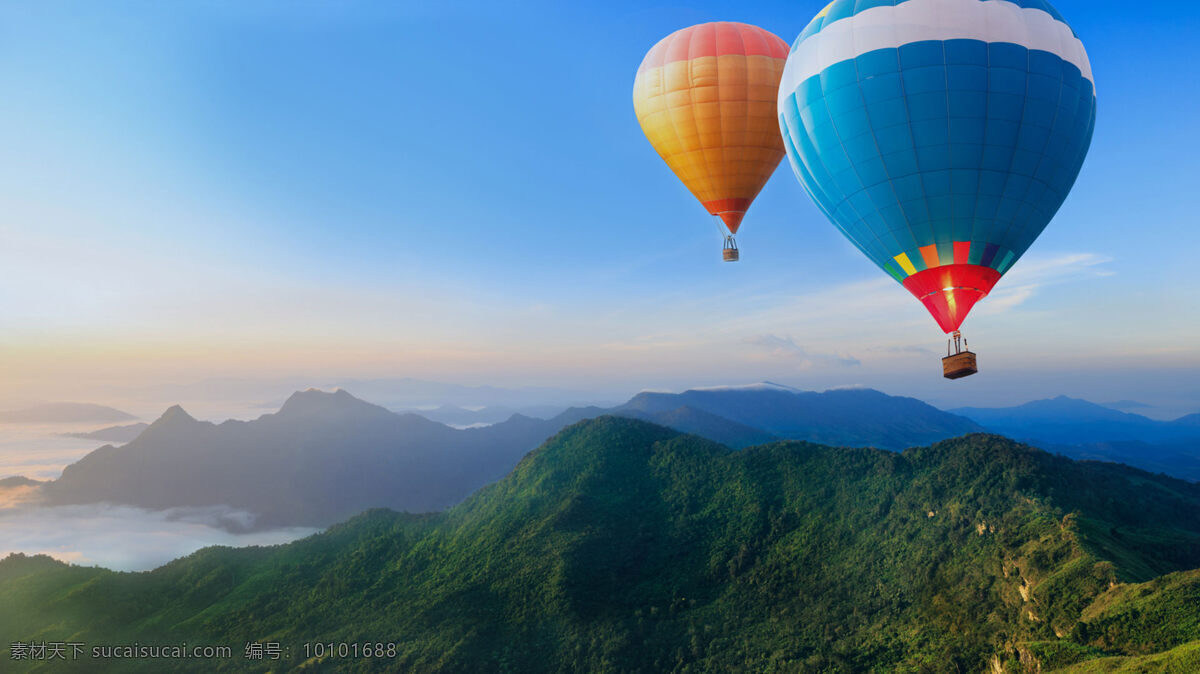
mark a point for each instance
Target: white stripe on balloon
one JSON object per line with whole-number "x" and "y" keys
{"x": 889, "y": 27}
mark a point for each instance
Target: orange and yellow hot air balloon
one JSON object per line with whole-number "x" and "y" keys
{"x": 705, "y": 97}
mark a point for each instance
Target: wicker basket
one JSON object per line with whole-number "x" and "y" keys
{"x": 959, "y": 365}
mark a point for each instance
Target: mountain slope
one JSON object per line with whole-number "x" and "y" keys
{"x": 850, "y": 417}
{"x": 698, "y": 422}
{"x": 1064, "y": 420}
{"x": 1182, "y": 659}
{"x": 452, "y": 415}
{"x": 1191, "y": 420}
{"x": 326, "y": 456}
{"x": 624, "y": 546}
{"x": 322, "y": 458}
{"x": 64, "y": 413}
{"x": 123, "y": 433}
{"x": 1084, "y": 430}
{"x": 1180, "y": 458}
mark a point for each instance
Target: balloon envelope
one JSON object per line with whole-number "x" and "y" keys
{"x": 705, "y": 98}
{"x": 940, "y": 136}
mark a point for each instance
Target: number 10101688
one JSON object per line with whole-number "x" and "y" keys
{"x": 366, "y": 649}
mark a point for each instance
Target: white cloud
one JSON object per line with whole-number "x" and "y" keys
{"x": 857, "y": 302}
{"x": 126, "y": 538}
{"x": 786, "y": 348}
{"x": 1056, "y": 267}
{"x": 910, "y": 350}
{"x": 1031, "y": 274}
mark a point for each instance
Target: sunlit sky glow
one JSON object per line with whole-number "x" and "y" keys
{"x": 460, "y": 192}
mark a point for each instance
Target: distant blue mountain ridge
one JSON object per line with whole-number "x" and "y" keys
{"x": 326, "y": 456}
{"x": 1084, "y": 430}
{"x": 1076, "y": 421}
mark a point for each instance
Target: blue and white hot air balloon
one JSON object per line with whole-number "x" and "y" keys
{"x": 940, "y": 136}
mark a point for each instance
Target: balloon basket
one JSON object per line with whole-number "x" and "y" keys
{"x": 730, "y": 252}
{"x": 961, "y": 363}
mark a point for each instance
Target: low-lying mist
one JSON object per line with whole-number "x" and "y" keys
{"x": 125, "y": 538}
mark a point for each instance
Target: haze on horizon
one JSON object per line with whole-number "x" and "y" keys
{"x": 311, "y": 192}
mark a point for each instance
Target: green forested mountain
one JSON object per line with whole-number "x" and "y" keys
{"x": 624, "y": 546}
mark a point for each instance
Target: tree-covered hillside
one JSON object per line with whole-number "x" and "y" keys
{"x": 624, "y": 546}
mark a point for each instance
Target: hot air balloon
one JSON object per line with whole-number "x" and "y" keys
{"x": 705, "y": 97}
{"x": 939, "y": 136}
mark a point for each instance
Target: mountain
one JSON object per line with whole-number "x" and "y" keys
{"x": 407, "y": 392}
{"x": 741, "y": 416}
{"x": 1126, "y": 405}
{"x": 1191, "y": 421}
{"x": 852, "y": 417}
{"x": 698, "y": 422}
{"x": 1064, "y": 420}
{"x": 624, "y": 546}
{"x": 321, "y": 458}
{"x": 18, "y": 481}
{"x": 123, "y": 433}
{"x": 326, "y": 456}
{"x": 1085, "y": 430}
{"x": 64, "y": 413}
{"x": 452, "y": 415}
{"x": 1179, "y": 459}
{"x": 394, "y": 393}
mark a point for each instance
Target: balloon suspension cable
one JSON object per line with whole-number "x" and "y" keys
{"x": 729, "y": 252}
{"x": 722, "y": 229}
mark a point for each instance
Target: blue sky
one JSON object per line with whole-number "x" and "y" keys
{"x": 460, "y": 191}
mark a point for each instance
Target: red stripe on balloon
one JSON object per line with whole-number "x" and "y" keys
{"x": 962, "y": 252}
{"x": 718, "y": 206}
{"x": 949, "y": 291}
{"x": 731, "y": 211}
